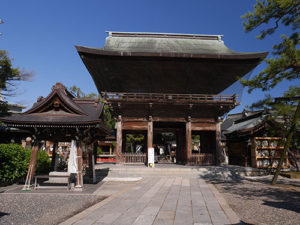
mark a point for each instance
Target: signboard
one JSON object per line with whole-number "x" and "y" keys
{"x": 150, "y": 157}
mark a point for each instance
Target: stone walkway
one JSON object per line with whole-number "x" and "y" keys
{"x": 158, "y": 200}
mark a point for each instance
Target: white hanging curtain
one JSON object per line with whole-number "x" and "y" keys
{"x": 72, "y": 163}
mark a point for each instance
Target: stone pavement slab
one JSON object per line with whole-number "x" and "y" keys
{"x": 158, "y": 200}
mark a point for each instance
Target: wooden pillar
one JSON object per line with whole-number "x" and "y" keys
{"x": 79, "y": 179}
{"x": 219, "y": 151}
{"x": 91, "y": 157}
{"x": 188, "y": 136}
{"x": 150, "y": 133}
{"x": 119, "y": 140}
{"x": 53, "y": 159}
{"x": 31, "y": 166}
{"x": 95, "y": 153}
{"x": 90, "y": 160}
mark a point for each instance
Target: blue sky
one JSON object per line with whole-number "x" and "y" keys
{"x": 40, "y": 35}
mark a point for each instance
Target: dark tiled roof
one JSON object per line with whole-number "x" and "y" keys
{"x": 69, "y": 111}
{"x": 176, "y": 45}
{"x": 166, "y": 63}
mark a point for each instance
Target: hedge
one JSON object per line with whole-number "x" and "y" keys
{"x": 14, "y": 160}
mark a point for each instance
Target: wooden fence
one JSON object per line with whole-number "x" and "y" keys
{"x": 133, "y": 158}
{"x": 202, "y": 159}
{"x": 196, "y": 159}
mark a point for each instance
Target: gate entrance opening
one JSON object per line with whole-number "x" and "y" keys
{"x": 169, "y": 142}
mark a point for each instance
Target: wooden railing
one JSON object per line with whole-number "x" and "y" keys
{"x": 133, "y": 158}
{"x": 167, "y": 98}
{"x": 195, "y": 159}
{"x": 202, "y": 159}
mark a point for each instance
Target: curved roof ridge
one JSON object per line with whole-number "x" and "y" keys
{"x": 164, "y": 35}
{"x": 63, "y": 94}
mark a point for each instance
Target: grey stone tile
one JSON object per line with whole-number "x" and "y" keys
{"x": 144, "y": 220}
{"x": 219, "y": 217}
{"x": 109, "y": 217}
{"x": 166, "y": 215}
{"x": 163, "y": 222}
{"x": 150, "y": 211}
{"x": 85, "y": 221}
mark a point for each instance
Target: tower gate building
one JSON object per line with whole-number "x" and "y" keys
{"x": 168, "y": 84}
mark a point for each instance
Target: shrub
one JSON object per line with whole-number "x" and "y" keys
{"x": 43, "y": 163}
{"x": 99, "y": 150}
{"x": 14, "y": 161}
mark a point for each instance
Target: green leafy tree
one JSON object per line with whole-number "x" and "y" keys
{"x": 76, "y": 91}
{"x": 284, "y": 65}
{"x": 108, "y": 119}
{"x": 132, "y": 140}
{"x": 9, "y": 77}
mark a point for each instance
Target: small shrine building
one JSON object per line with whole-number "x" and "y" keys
{"x": 60, "y": 117}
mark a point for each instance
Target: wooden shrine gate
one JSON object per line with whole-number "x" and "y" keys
{"x": 167, "y": 112}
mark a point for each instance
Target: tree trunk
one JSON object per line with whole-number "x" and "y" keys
{"x": 295, "y": 159}
{"x": 287, "y": 143}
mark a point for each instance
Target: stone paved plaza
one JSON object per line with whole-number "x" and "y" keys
{"x": 157, "y": 200}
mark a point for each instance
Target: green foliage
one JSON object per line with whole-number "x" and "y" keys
{"x": 14, "y": 163}
{"x": 9, "y": 75}
{"x": 285, "y": 110}
{"x": 3, "y": 108}
{"x": 132, "y": 140}
{"x": 268, "y": 11}
{"x": 109, "y": 121}
{"x": 285, "y": 64}
{"x": 99, "y": 150}
{"x": 76, "y": 91}
{"x": 15, "y": 160}
{"x": 283, "y": 67}
{"x": 8, "y": 78}
{"x": 43, "y": 164}
{"x": 282, "y": 111}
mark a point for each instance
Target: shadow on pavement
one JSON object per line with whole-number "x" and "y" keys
{"x": 284, "y": 195}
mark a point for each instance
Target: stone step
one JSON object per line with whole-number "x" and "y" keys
{"x": 176, "y": 170}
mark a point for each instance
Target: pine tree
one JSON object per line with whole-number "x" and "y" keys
{"x": 9, "y": 76}
{"x": 284, "y": 65}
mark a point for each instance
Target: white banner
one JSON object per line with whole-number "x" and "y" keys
{"x": 72, "y": 163}
{"x": 151, "y": 157}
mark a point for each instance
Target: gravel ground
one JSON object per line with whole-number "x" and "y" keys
{"x": 46, "y": 209}
{"x": 257, "y": 202}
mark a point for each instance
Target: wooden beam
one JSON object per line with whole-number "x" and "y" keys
{"x": 203, "y": 126}
{"x": 168, "y": 119}
{"x": 188, "y": 140}
{"x": 134, "y": 119}
{"x": 119, "y": 140}
{"x": 203, "y": 120}
{"x": 134, "y": 125}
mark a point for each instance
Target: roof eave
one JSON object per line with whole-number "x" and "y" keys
{"x": 100, "y": 51}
